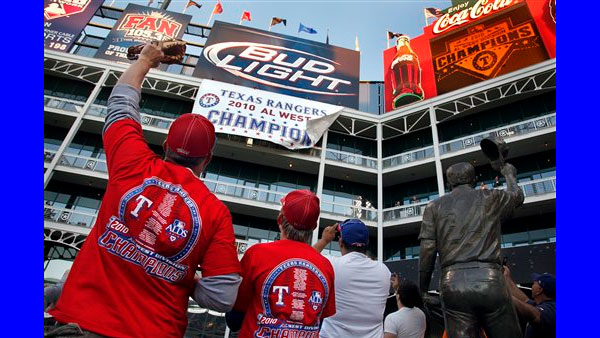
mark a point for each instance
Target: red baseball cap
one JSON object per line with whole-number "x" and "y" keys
{"x": 191, "y": 135}
{"x": 301, "y": 209}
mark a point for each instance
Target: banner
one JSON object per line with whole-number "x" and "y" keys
{"x": 280, "y": 63}
{"x": 140, "y": 24}
{"x": 520, "y": 33}
{"x": 65, "y": 19}
{"x": 499, "y": 45}
{"x": 288, "y": 121}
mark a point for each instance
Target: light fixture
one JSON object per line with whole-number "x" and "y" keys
{"x": 249, "y": 141}
{"x": 291, "y": 165}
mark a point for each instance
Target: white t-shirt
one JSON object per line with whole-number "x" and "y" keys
{"x": 361, "y": 289}
{"x": 406, "y": 323}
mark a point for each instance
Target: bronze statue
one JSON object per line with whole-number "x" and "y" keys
{"x": 463, "y": 226}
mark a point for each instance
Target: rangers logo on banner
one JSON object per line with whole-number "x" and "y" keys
{"x": 485, "y": 50}
{"x": 288, "y": 121}
{"x": 65, "y": 19}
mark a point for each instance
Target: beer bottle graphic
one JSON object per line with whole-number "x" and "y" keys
{"x": 406, "y": 74}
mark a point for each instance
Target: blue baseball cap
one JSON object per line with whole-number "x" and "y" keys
{"x": 547, "y": 282}
{"x": 354, "y": 233}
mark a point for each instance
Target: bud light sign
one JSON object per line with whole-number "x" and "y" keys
{"x": 279, "y": 63}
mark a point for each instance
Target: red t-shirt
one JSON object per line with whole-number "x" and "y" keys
{"x": 157, "y": 222}
{"x": 287, "y": 289}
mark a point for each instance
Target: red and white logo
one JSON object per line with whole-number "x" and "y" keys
{"x": 62, "y": 8}
{"x": 479, "y": 9}
{"x": 154, "y": 25}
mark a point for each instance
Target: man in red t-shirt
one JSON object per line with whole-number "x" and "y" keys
{"x": 157, "y": 224}
{"x": 287, "y": 287}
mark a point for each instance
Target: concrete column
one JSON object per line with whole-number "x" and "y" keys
{"x": 379, "y": 192}
{"x": 436, "y": 152}
{"x": 74, "y": 128}
{"x": 315, "y": 236}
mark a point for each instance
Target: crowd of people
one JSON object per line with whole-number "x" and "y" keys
{"x": 158, "y": 224}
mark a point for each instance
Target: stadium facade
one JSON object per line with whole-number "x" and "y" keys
{"x": 380, "y": 167}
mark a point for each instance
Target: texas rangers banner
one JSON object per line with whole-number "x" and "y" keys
{"x": 280, "y": 63}
{"x": 140, "y": 24}
{"x": 288, "y": 121}
{"x": 65, "y": 19}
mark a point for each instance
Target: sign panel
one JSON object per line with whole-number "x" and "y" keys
{"x": 285, "y": 120}
{"x": 140, "y": 24}
{"x": 280, "y": 63}
{"x": 65, "y": 19}
{"x": 497, "y": 46}
{"x": 520, "y": 34}
{"x": 462, "y": 13}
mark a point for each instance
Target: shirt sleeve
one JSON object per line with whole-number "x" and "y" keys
{"x": 547, "y": 316}
{"x": 221, "y": 255}
{"x": 245, "y": 291}
{"x": 390, "y": 325}
{"x": 217, "y": 292}
{"x": 330, "y": 306}
{"x": 123, "y": 138}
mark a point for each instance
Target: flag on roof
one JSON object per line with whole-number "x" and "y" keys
{"x": 392, "y": 35}
{"x": 193, "y": 3}
{"x": 275, "y": 21}
{"x": 308, "y": 30}
{"x": 218, "y": 8}
{"x": 246, "y": 16}
{"x": 432, "y": 12}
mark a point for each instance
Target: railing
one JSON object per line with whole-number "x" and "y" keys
{"x": 63, "y": 104}
{"x": 535, "y": 187}
{"x": 83, "y": 162}
{"x": 146, "y": 120}
{"x": 274, "y": 197}
{"x": 363, "y": 213}
{"x": 69, "y": 216}
{"x": 408, "y": 157}
{"x": 532, "y": 188}
{"x": 314, "y": 151}
{"x": 538, "y": 187}
{"x": 245, "y": 192}
{"x": 350, "y": 158}
{"x": 505, "y": 132}
{"x": 404, "y": 211}
{"x": 49, "y": 155}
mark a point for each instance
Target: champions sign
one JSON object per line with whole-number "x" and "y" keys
{"x": 284, "y": 64}
{"x": 138, "y": 25}
{"x": 288, "y": 121}
{"x": 65, "y": 19}
{"x": 473, "y": 41}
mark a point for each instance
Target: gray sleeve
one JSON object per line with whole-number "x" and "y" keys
{"x": 217, "y": 293}
{"x": 390, "y": 324}
{"x": 123, "y": 103}
{"x": 51, "y": 294}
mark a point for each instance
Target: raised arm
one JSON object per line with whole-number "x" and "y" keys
{"x": 125, "y": 97}
{"x": 513, "y": 196}
{"x": 512, "y": 287}
{"x": 326, "y": 238}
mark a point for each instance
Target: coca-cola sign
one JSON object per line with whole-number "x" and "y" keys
{"x": 493, "y": 47}
{"x": 279, "y": 63}
{"x": 478, "y": 10}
